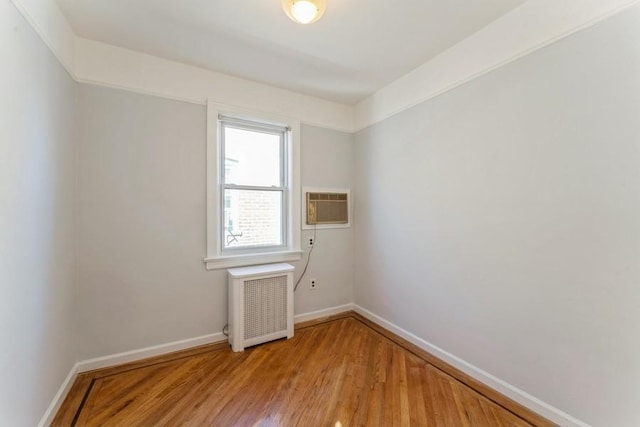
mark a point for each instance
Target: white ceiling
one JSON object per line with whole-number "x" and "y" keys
{"x": 358, "y": 46}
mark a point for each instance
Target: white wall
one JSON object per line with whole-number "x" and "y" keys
{"x": 142, "y": 223}
{"x": 142, "y": 192}
{"x": 327, "y": 162}
{"x": 531, "y": 26}
{"x": 37, "y": 226}
{"x": 107, "y": 65}
{"x": 500, "y": 222}
{"x": 515, "y": 246}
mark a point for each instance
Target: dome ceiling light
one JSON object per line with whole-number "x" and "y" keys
{"x": 304, "y": 11}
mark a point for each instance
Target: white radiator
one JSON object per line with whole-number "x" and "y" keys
{"x": 260, "y": 304}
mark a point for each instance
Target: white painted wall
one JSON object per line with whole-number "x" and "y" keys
{"x": 93, "y": 62}
{"x": 327, "y": 162}
{"x": 523, "y": 170}
{"x": 531, "y": 26}
{"x": 48, "y": 21}
{"x": 142, "y": 223}
{"x": 112, "y": 66}
{"x": 500, "y": 222}
{"x": 37, "y": 226}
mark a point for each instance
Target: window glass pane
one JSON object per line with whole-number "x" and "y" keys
{"x": 252, "y": 218}
{"x": 252, "y": 158}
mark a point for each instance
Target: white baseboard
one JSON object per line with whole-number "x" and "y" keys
{"x": 319, "y": 314}
{"x": 143, "y": 353}
{"x": 157, "y": 350}
{"x": 118, "y": 359}
{"x": 536, "y": 405}
{"x": 52, "y": 410}
{"x": 553, "y": 414}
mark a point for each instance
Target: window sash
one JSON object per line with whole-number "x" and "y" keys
{"x": 283, "y": 133}
{"x": 256, "y": 248}
{"x": 250, "y": 124}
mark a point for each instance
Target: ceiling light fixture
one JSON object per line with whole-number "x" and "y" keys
{"x": 304, "y": 11}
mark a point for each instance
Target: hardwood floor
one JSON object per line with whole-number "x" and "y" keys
{"x": 344, "y": 371}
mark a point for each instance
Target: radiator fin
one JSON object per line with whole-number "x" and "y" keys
{"x": 265, "y": 306}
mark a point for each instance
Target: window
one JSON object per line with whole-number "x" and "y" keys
{"x": 252, "y": 189}
{"x": 253, "y": 185}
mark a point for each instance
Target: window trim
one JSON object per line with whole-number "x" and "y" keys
{"x": 216, "y": 258}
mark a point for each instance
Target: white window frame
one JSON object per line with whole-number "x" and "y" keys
{"x": 217, "y": 258}
{"x": 282, "y": 132}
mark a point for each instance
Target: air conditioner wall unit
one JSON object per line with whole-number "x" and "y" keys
{"x": 326, "y": 208}
{"x": 260, "y": 304}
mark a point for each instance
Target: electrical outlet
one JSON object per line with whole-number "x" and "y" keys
{"x": 313, "y": 284}
{"x": 311, "y": 242}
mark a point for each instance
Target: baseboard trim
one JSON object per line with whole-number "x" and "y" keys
{"x": 319, "y": 314}
{"x": 525, "y": 399}
{"x": 156, "y": 350}
{"x": 143, "y": 353}
{"x": 534, "y": 404}
{"x": 59, "y": 397}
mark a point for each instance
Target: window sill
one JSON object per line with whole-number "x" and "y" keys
{"x": 220, "y": 262}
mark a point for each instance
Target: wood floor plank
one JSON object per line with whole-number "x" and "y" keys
{"x": 340, "y": 371}
{"x": 68, "y": 410}
{"x": 457, "y": 399}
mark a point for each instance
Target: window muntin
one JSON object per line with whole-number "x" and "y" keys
{"x": 254, "y": 186}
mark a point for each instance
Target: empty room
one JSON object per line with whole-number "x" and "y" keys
{"x": 320, "y": 213}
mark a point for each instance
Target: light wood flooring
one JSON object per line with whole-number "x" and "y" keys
{"x": 343, "y": 371}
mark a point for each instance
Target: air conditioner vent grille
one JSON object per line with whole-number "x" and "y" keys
{"x": 265, "y": 306}
{"x": 327, "y": 208}
{"x": 328, "y": 196}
